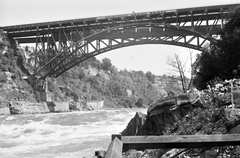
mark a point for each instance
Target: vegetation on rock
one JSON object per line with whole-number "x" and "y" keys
{"x": 222, "y": 57}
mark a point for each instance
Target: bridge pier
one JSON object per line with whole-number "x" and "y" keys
{"x": 40, "y": 87}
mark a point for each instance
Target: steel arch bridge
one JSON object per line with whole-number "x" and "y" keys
{"x": 61, "y": 45}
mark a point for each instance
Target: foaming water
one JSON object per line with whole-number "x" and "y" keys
{"x": 60, "y": 135}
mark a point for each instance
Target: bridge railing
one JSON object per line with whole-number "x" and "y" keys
{"x": 124, "y": 143}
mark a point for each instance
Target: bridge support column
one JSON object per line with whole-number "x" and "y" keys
{"x": 40, "y": 87}
{"x": 48, "y": 95}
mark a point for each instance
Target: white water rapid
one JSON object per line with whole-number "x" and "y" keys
{"x": 61, "y": 135}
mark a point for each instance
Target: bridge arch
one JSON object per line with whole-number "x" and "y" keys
{"x": 120, "y": 36}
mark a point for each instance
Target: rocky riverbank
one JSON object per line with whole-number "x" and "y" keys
{"x": 212, "y": 111}
{"x": 24, "y": 107}
{"x": 162, "y": 114}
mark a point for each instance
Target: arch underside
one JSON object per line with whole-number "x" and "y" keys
{"x": 122, "y": 36}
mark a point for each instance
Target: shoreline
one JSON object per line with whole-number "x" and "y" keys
{"x": 28, "y": 107}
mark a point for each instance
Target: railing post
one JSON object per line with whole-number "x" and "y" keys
{"x": 116, "y": 136}
{"x": 115, "y": 149}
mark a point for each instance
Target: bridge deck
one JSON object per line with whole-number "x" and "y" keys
{"x": 172, "y": 15}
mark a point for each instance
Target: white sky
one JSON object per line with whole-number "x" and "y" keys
{"x": 144, "y": 57}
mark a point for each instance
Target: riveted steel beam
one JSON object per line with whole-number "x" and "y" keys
{"x": 117, "y": 37}
{"x": 61, "y": 45}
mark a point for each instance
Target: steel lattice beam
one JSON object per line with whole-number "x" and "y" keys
{"x": 61, "y": 45}
{"x": 117, "y": 37}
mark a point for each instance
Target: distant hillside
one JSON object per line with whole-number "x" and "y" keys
{"x": 95, "y": 80}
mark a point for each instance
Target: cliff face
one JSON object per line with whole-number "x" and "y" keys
{"x": 14, "y": 87}
{"x": 12, "y": 83}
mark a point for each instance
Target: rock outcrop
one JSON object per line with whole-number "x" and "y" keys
{"x": 162, "y": 113}
{"x": 170, "y": 110}
{"x": 135, "y": 126}
{"x": 186, "y": 115}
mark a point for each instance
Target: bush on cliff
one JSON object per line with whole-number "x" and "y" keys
{"x": 222, "y": 56}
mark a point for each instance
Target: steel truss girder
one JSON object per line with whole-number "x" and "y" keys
{"x": 78, "y": 39}
{"x": 71, "y": 54}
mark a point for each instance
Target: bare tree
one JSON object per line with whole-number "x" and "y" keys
{"x": 191, "y": 77}
{"x": 178, "y": 67}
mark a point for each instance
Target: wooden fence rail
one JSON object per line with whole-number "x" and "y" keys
{"x": 123, "y": 143}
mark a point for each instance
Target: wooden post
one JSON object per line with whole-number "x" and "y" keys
{"x": 116, "y": 136}
{"x": 115, "y": 149}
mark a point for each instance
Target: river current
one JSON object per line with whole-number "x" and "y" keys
{"x": 61, "y": 135}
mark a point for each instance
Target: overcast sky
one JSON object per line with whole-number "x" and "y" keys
{"x": 144, "y": 57}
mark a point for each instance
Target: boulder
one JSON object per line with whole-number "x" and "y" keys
{"x": 171, "y": 103}
{"x": 100, "y": 153}
{"x": 162, "y": 103}
{"x": 161, "y": 114}
{"x": 135, "y": 126}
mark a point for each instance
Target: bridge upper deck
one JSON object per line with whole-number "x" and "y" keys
{"x": 165, "y": 16}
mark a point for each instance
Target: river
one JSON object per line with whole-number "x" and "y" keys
{"x": 61, "y": 135}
